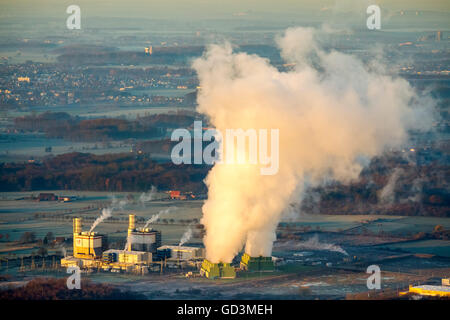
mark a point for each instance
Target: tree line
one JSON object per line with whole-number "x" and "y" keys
{"x": 109, "y": 172}
{"x": 73, "y": 128}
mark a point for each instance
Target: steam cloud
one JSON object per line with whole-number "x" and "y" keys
{"x": 313, "y": 243}
{"x": 331, "y": 110}
{"x": 150, "y": 196}
{"x": 387, "y": 194}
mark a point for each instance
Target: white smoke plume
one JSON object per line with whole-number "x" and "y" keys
{"x": 417, "y": 188}
{"x": 149, "y": 196}
{"x": 387, "y": 194}
{"x": 331, "y": 110}
{"x": 313, "y": 243}
{"x": 187, "y": 235}
{"x": 107, "y": 212}
{"x": 156, "y": 216}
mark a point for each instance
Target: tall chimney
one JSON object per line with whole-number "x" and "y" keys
{"x": 131, "y": 228}
{"x": 77, "y": 225}
{"x": 131, "y": 223}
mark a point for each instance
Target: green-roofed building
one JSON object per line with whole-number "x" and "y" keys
{"x": 260, "y": 263}
{"x": 217, "y": 270}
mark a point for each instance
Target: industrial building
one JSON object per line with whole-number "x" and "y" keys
{"x": 262, "y": 264}
{"x": 217, "y": 270}
{"x": 87, "y": 248}
{"x": 86, "y": 245}
{"x": 182, "y": 253}
{"x": 147, "y": 240}
{"x": 431, "y": 290}
{"x": 428, "y": 290}
{"x": 143, "y": 251}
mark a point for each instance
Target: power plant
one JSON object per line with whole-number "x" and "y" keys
{"x": 143, "y": 252}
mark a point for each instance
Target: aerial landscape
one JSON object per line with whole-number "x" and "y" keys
{"x": 185, "y": 150}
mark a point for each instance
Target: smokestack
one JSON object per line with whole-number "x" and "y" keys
{"x": 131, "y": 223}
{"x": 131, "y": 228}
{"x": 77, "y": 225}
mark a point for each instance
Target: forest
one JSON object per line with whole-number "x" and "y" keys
{"x": 64, "y": 126}
{"x": 56, "y": 289}
{"x": 109, "y": 172}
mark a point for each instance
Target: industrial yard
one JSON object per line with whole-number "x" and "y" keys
{"x": 320, "y": 256}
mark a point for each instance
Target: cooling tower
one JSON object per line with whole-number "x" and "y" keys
{"x": 256, "y": 263}
{"x": 217, "y": 270}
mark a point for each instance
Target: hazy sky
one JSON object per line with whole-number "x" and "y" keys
{"x": 206, "y": 8}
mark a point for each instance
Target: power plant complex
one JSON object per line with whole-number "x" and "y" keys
{"x": 143, "y": 253}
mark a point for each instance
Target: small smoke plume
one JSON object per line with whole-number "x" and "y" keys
{"x": 156, "y": 216}
{"x": 387, "y": 194}
{"x": 416, "y": 189}
{"x": 149, "y": 196}
{"x": 187, "y": 235}
{"x": 331, "y": 110}
{"x": 313, "y": 243}
{"x": 107, "y": 212}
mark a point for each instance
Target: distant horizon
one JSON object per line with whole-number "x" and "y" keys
{"x": 234, "y": 16}
{"x": 201, "y": 9}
